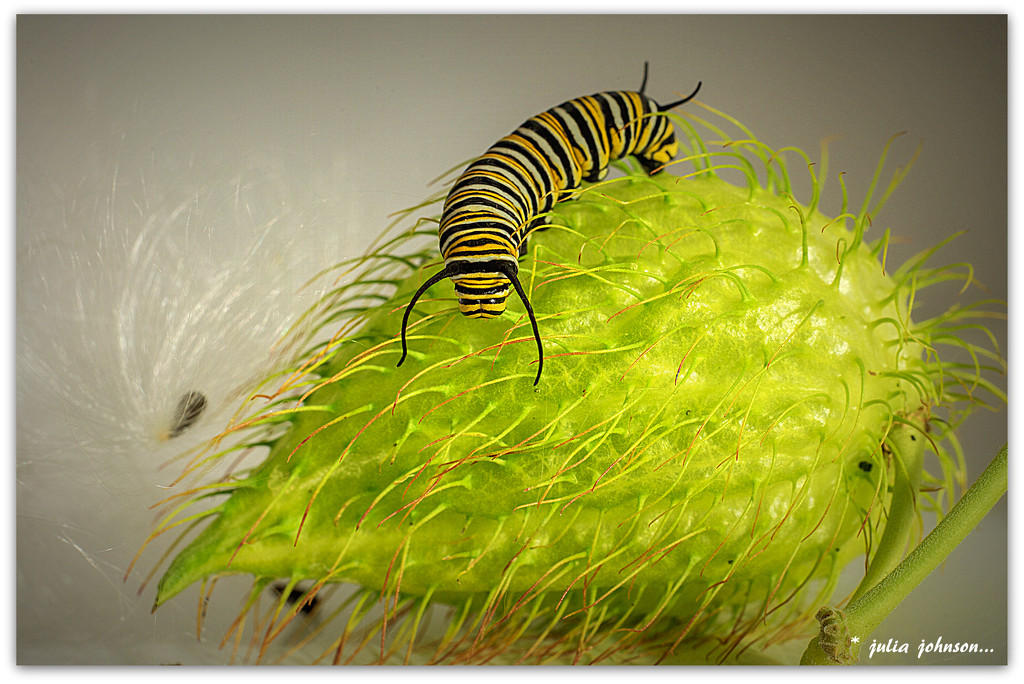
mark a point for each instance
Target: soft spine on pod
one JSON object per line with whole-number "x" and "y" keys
{"x": 707, "y": 449}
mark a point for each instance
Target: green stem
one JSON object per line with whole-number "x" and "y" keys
{"x": 864, "y": 614}
{"x": 907, "y": 443}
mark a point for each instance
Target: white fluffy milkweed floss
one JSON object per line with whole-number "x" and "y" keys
{"x": 133, "y": 299}
{"x": 141, "y": 287}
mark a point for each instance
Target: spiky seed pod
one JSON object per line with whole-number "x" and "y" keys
{"x": 706, "y": 451}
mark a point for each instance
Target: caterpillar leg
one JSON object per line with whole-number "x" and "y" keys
{"x": 651, "y": 166}
{"x": 539, "y": 223}
{"x": 596, "y": 175}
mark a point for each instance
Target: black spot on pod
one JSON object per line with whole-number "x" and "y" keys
{"x": 190, "y": 407}
{"x": 865, "y": 466}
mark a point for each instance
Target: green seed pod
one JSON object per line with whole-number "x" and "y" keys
{"x": 707, "y": 448}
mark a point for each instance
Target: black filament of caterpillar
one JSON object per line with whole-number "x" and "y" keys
{"x": 502, "y": 197}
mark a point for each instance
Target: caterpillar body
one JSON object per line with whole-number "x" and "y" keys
{"x": 502, "y": 196}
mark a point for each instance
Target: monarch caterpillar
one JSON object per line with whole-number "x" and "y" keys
{"x": 502, "y": 196}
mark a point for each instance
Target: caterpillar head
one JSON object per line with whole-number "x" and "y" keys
{"x": 482, "y": 295}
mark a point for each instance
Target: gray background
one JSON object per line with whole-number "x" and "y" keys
{"x": 367, "y": 110}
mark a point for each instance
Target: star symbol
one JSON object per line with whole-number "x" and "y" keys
{"x": 855, "y": 640}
